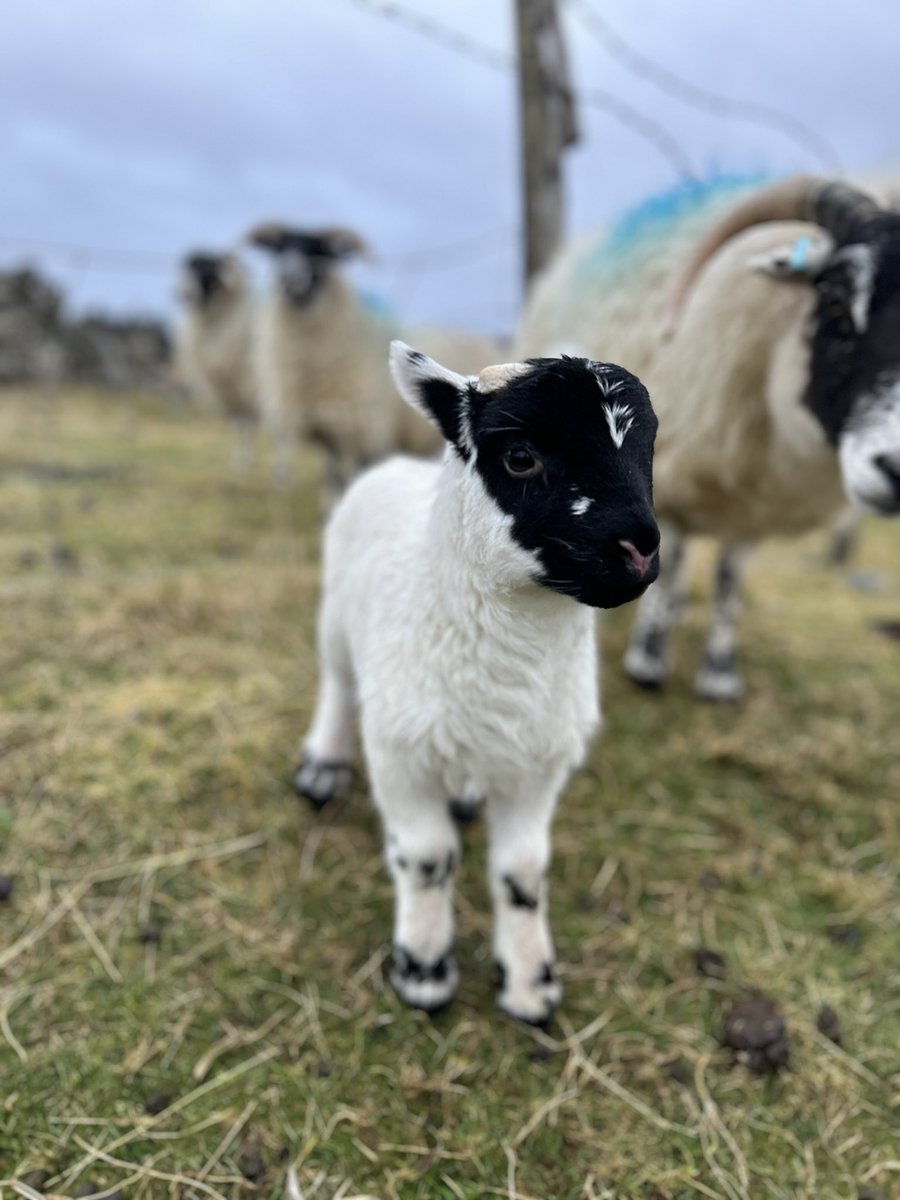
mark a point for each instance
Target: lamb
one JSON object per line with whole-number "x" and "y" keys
{"x": 456, "y": 619}
{"x": 214, "y": 356}
{"x": 764, "y": 323}
{"x": 323, "y": 353}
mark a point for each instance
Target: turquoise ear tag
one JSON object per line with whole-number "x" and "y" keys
{"x": 800, "y": 254}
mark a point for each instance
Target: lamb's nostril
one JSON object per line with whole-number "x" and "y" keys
{"x": 640, "y": 562}
{"x": 890, "y": 466}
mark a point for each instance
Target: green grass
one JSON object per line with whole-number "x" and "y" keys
{"x": 156, "y": 672}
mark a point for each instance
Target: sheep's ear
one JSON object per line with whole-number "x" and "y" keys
{"x": 438, "y": 394}
{"x": 801, "y": 259}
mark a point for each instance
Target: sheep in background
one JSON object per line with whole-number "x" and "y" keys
{"x": 322, "y": 358}
{"x": 449, "y": 622}
{"x": 764, "y": 323}
{"x": 214, "y": 356}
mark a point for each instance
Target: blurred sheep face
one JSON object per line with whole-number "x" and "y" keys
{"x": 854, "y": 387}
{"x": 305, "y": 260}
{"x": 205, "y": 276}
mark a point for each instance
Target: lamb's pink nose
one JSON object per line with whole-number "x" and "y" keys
{"x": 640, "y": 562}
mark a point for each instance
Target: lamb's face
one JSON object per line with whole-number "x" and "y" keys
{"x": 563, "y": 448}
{"x": 305, "y": 259}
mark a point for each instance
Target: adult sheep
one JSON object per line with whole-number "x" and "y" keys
{"x": 450, "y": 624}
{"x": 764, "y": 321}
{"x": 213, "y": 356}
{"x": 323, "y": 352}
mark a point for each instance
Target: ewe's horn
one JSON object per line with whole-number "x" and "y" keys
{"x": 836, "y": 207}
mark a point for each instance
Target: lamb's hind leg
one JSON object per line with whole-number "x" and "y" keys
{"x": 718, "y": 678}
{"x": 422, "y": 848}
{"x": 326, "y": 765}
{"x": 646, "y": 660}
{"x": 523, "y": 946}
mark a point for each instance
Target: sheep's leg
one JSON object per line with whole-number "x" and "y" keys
{"x": 718, "y": 678}
{"x": 646, "y": 660}
{"x": 523, "y": 946}
{"x": 843, "y": 538}
{"x": 326, "y": 771}
{"x": 244, "y": 432}
{"x": 422, "y": 854}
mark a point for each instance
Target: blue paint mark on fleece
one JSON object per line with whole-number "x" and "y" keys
{"x": 377, "y": 307}
{"x": 654, "y": 218}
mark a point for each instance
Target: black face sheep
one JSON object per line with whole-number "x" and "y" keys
{"x": 322, "y": 357}
{"x": 456, "y": 625}
{"x": 765, "y": 322}
{"x": 214, "y": 357}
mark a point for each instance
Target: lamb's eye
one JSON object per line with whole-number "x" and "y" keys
{"x": 521, "y": 463}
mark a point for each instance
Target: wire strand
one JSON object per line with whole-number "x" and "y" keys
{"x": 700, "y": 97}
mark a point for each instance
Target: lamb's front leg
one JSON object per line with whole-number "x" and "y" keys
{"x": 523, "y": 947}
{"x": 422, "y": 848}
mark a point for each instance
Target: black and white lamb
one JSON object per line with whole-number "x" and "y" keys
{"x": 456, "y": 624}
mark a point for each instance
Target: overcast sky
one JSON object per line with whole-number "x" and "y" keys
{"x": 156, "y": 128}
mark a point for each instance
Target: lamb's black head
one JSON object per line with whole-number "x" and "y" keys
{"x": 563, "y": 448}
{"x": 306, "y": 258}
{"x": 206, "y": 275}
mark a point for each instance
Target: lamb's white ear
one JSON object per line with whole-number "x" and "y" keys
{"x": 801, "y": 259}
{"x": 438, "y": 394}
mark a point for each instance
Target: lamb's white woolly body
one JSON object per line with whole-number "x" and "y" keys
{"x": 479, "y": 687}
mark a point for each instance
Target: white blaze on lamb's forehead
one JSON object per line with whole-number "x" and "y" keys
{"x": 581, "y": 505}
{"x": 494, "y": 379}
{"x": 619, "y": 418}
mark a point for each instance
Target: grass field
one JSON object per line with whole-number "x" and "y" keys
{"x": 183, "y": 937}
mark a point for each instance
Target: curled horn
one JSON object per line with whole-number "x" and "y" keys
{"x": 268, "y": 235}
{"x": 346, "y": 242}
{"x": 836, "y": 207}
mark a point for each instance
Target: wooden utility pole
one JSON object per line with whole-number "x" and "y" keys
{"x": 547, "y": 127}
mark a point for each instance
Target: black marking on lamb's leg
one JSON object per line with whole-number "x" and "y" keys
{"x": 546, "y": 974}
{"x": 436, "y": 873}
{"x": 463, "y": 811}
{"x": 518, "y": 896}
{"x": 321, "y": 780}
{"x": 427, "y": 986}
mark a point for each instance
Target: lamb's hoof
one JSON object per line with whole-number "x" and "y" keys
{"x": 645, "y": 669}
{"x": 428, "y": 986}
{"x": 320, "y": 780}
{"x": 463, "y": 812}
{"x": 533, "y": 1003}
{"x": 719, "y": 687}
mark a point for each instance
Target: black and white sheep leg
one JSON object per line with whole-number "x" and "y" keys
{"x": 523, "y": 947}
{"x": 646, "y": 659}
{"x": 718, "y": 679}
{"x": 422, "y": 853}
{"x": 325, "y": 771}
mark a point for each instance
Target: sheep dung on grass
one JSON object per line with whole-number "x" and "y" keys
{"x": 456, "y": 622}
{"x": 764, "y": 324}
